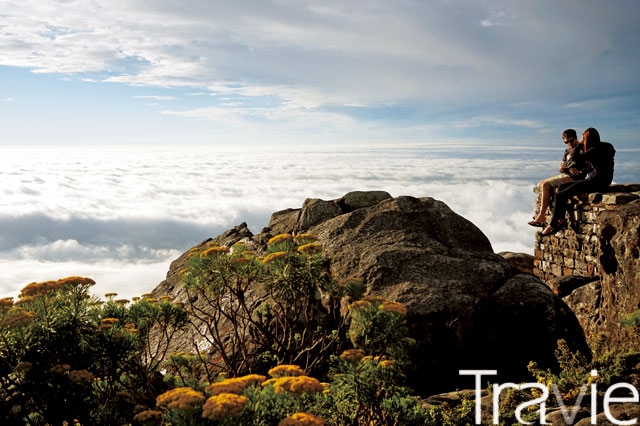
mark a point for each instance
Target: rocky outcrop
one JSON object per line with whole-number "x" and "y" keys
{"x": 468, "y": 308}
{"x": 595, "y": 263}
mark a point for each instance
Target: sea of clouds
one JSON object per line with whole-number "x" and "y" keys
{"x": 121, "y": 214}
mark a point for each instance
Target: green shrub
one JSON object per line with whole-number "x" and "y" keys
{"x": 65, "y": 356}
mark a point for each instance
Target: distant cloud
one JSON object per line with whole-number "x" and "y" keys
{"x": 303, "y": 61}
{"x": 121, "y": 219}
{"x": 155, "y": 98}
{"x": 7, "y": 99}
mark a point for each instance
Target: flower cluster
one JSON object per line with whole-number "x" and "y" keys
{"x": 310, "y": 248}
{"x": 296, "y": 384}
{"x": 38, "y": 289}
{"x": 280, "y": 239}
{"x": 81, "y": 376}
{"x": 130, "y": 328}
{"x": 234, "y": 385}
{"x": 239, "y": 261}
{"x": 274, "y": 256}
{"x": 286, "y": 370}
{"x": 302, "y": 419}
{"x": 352, "y": 355}
{"x": 360, "y": 304}
{"x": 214, "y": 251}
{"x": 107, "y": 323}
{"x": 60, "y": 368}
{"x": 181, "y": 398}
{"x": 394, "y": 307}
{"x": 224, "y": 404}
{"x": 18, "y": 318}
{"x": 305, "y": 238}
{"x": 152, "y": 416}
{"x": 6, "y": 302}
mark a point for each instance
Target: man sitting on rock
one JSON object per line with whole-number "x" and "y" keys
{"x": 569, "y": 171}
{"x": 599, "y": 159}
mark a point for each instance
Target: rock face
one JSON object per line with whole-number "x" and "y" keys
{"x": 595, "y": 263}
{"x": 468, "y": 308}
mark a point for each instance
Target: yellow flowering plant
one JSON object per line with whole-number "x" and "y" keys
{"x": 284, "y": 325}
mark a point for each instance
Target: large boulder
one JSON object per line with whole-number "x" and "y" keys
{"x": 468, "y": 308}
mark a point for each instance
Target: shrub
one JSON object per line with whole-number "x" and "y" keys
{"x": 288, "y": 325}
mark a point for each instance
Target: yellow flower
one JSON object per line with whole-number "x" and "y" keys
{"x": 17, "y": 318}
{"x": 240, "y": 261}
{"x": 77, "y": 281}
{"x": 80, "y": 376}
{"x": 148, "y": 416}
{"x": 280, "y": 238}
{"x": 360, "y": 304}
{"x": 352, "y": 355}
{"x": 387, "y": 363}
{"x": 218, "y": 406}
{"x": 60, "y": 369}
{"x": 214, "y": 251}
{"x": 394, "y": 307}
{"x": 311, "y": 248}
{"x": 286, "y": 370}
{"x": 302, "y": 419}
{"x": 305, "y": 238}
{"x": 181, "y": 398}
{"x": 297, "y": 385}
{"x": 234, "y": 385}
{"x": 274, "y": 256}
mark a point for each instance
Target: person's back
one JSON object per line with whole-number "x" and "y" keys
{"x": 599, "y": 158}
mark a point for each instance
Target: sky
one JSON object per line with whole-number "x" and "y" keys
{"x": 278, "y": 71}
{"x": 132, "y": 130}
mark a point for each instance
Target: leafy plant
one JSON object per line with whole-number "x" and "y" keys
{"x": 256, "y": 311}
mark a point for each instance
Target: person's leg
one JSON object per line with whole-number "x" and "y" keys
{"x": 545, "y": 197}
{"x": 546, "y": 187}
{"x": 562, "y": 197}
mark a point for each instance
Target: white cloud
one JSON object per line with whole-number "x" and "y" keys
{"x": 121, "y": 214}
{"x": 336, "y": 52}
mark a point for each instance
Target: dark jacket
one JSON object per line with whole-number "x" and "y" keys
{"x": 599, "y": 162}
{"x": 569, "y": 159}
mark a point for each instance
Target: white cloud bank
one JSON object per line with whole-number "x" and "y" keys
{"x": 120, "y": 215}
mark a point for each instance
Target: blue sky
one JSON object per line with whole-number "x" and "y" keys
{"x": 265, "y": 71}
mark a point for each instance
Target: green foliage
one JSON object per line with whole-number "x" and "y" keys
{"x": 378, "y": 326}
{"x": 65, "y": 356}
{"x": 298, "y": 321}
{"x": 574, "y": 375}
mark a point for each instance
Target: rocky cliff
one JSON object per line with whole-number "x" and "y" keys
{"x": 594, "y": 264}
{"x": 468, "y": 307}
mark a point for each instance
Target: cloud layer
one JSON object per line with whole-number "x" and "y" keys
{"x": 121, "y": 214}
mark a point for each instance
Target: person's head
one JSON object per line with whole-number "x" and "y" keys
{"x": 590, "y": 138}
{"x": 570, "y": 137}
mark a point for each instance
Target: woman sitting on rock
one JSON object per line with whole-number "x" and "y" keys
{"x": 598, "y": 158}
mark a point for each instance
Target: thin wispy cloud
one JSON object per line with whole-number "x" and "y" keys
{"x": 435, "y": 62}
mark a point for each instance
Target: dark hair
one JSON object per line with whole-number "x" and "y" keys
{"x": 570, "y": 134}
{"x": 592, "y": 137}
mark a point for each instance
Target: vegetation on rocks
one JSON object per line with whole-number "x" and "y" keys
{"x": 311, "y": 351}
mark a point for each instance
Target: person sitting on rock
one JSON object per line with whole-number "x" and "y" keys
{"x": 598, "y": 158}
{"x": 569, "y": 171}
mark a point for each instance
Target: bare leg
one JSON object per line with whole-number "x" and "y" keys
{"x": 545, "y": 197}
